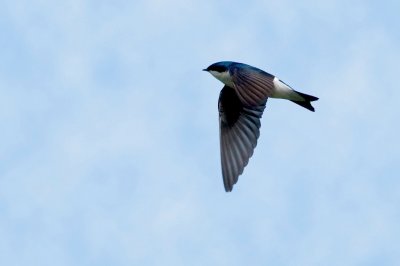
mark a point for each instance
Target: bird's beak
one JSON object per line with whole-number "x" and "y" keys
{"x": 205, "y": 69}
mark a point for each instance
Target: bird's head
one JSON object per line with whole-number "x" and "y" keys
{"x": 220, "y": 71}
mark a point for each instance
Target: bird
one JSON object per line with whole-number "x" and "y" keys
{"x": 241, "y": 104}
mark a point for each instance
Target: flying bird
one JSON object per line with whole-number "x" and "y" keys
{"x": 241, "y": 104}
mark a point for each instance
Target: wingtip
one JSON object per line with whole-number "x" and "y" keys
{"x": 228, "y": 189}
{"x": 228, "y": 185}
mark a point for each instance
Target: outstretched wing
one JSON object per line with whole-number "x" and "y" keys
{"x": 239, "y": 130}
{"x": 252, "y": 85}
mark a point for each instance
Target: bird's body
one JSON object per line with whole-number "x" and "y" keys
{"x": 241, "y": 104}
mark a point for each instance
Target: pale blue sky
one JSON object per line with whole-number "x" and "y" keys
{"x": 109, "y": 149}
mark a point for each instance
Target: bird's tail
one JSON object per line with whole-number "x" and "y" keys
{"x": 306, "y": 103}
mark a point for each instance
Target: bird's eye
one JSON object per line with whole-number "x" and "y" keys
{"x": 218, "y": 68}
{"x": 221, "y": 69}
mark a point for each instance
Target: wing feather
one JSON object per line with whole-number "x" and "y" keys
{"x": 253, "y": 85}
{"x": 239, "y": 132}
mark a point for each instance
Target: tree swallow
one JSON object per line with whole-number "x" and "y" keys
{"x": 241, "y": 104}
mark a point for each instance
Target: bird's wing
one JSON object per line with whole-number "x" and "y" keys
{"x": 253, "y": 85}
{"x": 239, "y": 130}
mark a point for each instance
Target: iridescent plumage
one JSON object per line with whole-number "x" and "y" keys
{"x": 241, "y": 104}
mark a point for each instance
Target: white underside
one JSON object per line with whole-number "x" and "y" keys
{"x": 224, "y": 77}
{"x": 283, "y": 91}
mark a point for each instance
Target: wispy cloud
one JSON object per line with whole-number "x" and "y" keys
{"x": 109, "y": 149}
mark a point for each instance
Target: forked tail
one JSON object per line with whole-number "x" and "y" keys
{"x": 307, "y": 101}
